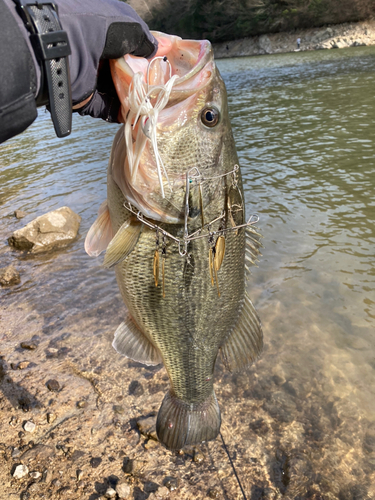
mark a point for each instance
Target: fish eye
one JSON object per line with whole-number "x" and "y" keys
{"x": 210, "y": 116}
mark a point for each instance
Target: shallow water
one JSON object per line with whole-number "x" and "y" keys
{"x": 300, "y": 423}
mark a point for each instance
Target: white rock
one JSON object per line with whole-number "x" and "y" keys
{"x": 20, "y": 471}
{"x": 123, "y": 490}
{"x": 162, "y": 492}
{"x": 29, "y": 426}
{"x": 110, "y": 493}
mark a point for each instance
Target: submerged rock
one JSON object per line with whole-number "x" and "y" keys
{"x": 19, "y": 214}
{"x": 110, "y": 493}
{"x": 30, "y": 346}
{"x": 9, "y": 276}
{"x": 171, "y": 483}
{"x": 123, "y": 490}
{"x": 51, "y": 417}
{"x": 39, "y": 452}
{"x": 136, "y": 388}
{"x": 147, "y": 427}
{"x": 35, "y": 474}
{"x": 29, "y": 426}
{"x": 53, "y": 230}
{"x": 53, "y": 385}
{"x": 95, "y": 462}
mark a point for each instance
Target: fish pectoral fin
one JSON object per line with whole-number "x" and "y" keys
{"x": 123, "y": 242}
{"x": 132, "y": 343}
{"x": 100, "y": 233}
{"x": 245, "y": 343}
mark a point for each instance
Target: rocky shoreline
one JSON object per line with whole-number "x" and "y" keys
{"x": 327, "y": 37}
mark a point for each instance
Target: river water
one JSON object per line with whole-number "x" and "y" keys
{"x": 300, "y": 423}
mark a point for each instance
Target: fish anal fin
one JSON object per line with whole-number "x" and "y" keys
{"x": 181, "y": 424}
{"x": 100, "y": 233}
{"x": 123, "y": 242}
{"x": 132, "y": 343}
{"x": 245, "y": 343}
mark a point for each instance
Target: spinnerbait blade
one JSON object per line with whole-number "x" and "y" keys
{"x": 156, "y": 267}
{"x": 219, "y": 252}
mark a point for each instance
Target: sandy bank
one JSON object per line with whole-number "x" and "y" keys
{"x": 328, "y": 37}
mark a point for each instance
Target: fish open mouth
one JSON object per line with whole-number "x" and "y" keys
{"x": 155, "y": 94}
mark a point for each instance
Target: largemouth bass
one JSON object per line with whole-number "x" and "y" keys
{"x": 174, "y": 227}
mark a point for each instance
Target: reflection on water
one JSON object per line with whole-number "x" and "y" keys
{"x": 302, "y": 420}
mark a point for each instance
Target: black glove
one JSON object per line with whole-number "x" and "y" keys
{"x": 99, "y": 30}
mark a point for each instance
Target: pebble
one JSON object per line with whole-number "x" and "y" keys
{"x": 171, "y": 483}
{"x": 151, "y": 443}
{"x": 24, "y": 404}
{"x": 162, "y": 492}
{"x": 51, "y": 417}
{"x": 76, "y": 455}
{"x": 35, "y": 474}
{"x": 9, "y": 276}
{"x": 56, "y": 482}
{"x": 95, "y": 462}
{"x": 136, "y": 388}
{"x": 30, "y": 346}
{"x": 19, "y": 214}
{"x": 213, "y": 493}
{"x": 198, "y": 456}
{"x": 53, "y": 385}
{"x": 147, "y": 427}
{"x": 123, "y": 490}
{"x": 16, "y": 452}
{"x": 13, "y": 421}
{"x": 82, "y": 404}
{"x": 150, "y": 487}
{"x": 33, "y": 488}
{"x": 20, "y": 471}
{"x": 47, "y": 476}
{"x": 118, "y": 409}
{"x": 29, "y": 426}
{"x": 79, "y": 474}
{"x": 23, "y": 364}
{"x": 129, "y": 465}
{"x": 110, "y": 493}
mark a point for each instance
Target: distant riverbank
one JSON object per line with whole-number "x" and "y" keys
{"x": 327, "y": 37}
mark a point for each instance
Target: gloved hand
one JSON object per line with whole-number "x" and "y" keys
{"x": 99, "y": 30}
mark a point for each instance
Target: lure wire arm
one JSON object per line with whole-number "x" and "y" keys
{"x": 195, "y": 175}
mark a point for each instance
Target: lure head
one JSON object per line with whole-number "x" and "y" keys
{"x": 176, "y": 121}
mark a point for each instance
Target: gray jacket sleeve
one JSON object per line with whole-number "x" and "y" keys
{"x": 100, "y": 29}
{"x": 97, "y": 30}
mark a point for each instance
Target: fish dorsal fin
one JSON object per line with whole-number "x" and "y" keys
{"x": 245, "y": 343}
{"x": 100, "y": 233}
{"x": 132, "y": 343}
{"x": 123, "y": 242}
{"x": 252, "y": 248}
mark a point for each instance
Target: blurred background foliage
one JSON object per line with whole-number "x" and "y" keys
{"x": 225, "y": 20}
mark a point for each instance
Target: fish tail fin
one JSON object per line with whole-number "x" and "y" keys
{"x": 180, "y": 424}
